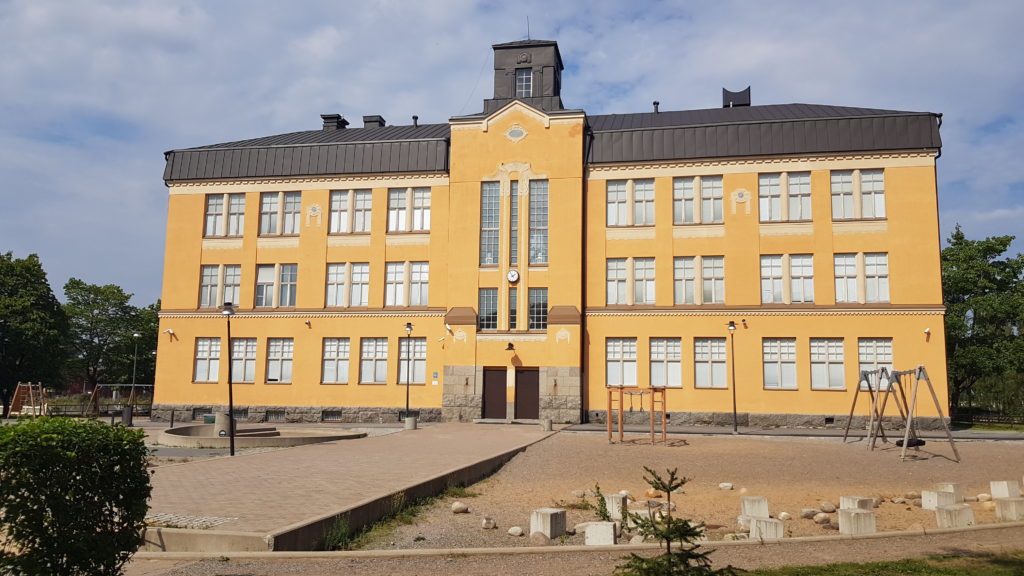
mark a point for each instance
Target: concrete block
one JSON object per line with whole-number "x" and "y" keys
{"x": 930, "y": 499}
{"x": 600, "y": 534}
{"x": 1005, "y": 489}
{"x": 616, "y": 504}
{"x": 955, "y": 487}
{"x": 856, "y": 521}
{"x": 1009, "y": 509}
{"x": 849, "y": 502}
{"x": 766, "y": 529}
{"x": 548, "y": 521}
{"x": 754, "y": 506}
{"x": 954, "y": 516}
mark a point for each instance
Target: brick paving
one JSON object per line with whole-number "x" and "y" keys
{"x": 267, "y": 491}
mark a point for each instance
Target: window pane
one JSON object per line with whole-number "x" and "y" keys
{"x": 339, "y": 217}
{"x": 538, "y": 308}
{"x": 490, "y": 213}
{"x": 538, "y": 222}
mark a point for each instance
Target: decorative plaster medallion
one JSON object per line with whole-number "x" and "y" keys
{"x": 741, "y": 196}
{"x": 563, "y": 334}
{"x": 515, "y": 133}
{"x": 524, "y": 58}
{"x": 460, "y": 335}
{"x": 313, "y": 212}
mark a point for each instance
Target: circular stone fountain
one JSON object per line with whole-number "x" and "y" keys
{"x": 215, "y": 436}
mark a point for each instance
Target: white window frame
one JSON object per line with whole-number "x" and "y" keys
{"x": 243, "y": 360}
{"x": 419, "y": 360}
{"x": 713, "y": 279}
{"x": 280, "y": 356}
{"x": 280, "y": 213}
{"x": 620, "y": 362}
{"x": 666, "y": 362}
{"x": 227, "y": 218}
{"x": 844, "y": 268}
{"x": 219, "y": 283}
{"x": 769, "y": 197}
{"x": 524, "y": 82}
{"x": 537, "y": 309}
{"x": 359, "y": 284}
{"x": 362, "y": 211}
{"x": 828, "y": 364}
{"x": 858, "y": 194}
{"x": 643, "y": 280}
{"x": 684, "y": 280}
{"x": 643, "y": 202}
{"x": 419, "y": 283}
{"x": 616, "y": 281}
{"x": 876, "y": 277}
{"x": 336, "y": 294}
{"x": 868, "y": 280}
{"x": 801, "y": 279}
{"x": 394, "y": 284}
{"x": 490, "y": 223}
{"x": 771, "y": 279}
{"x": 711, "y": 195}
{"x": 266, "y": 284}
{"x": 778, "y": 356}
{"x": 335, "y": 365}
{"x": 684, "y": 207}
{"x": 538, "y": 223}
{"x": 373, "y": 361}
{"x": 288, "y": 285}
{"x": 343, "y": 218}
{"x": 276, "y": 285}
{"x": 487, "y": 308}
{"x": 874, "y": 354}
{"x": 784, "y": 197}
{"x": 709, "y": 363}
{"x": 408, "y": 209}
{"x": 872, "y": 193}
{"x": 207, "y": 360}
{"x": 798, "y": 188}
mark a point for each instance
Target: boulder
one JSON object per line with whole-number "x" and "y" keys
{"x": 822, "y": 518}
{"x": 785, "y": 516}
{"x": 808, "y": 513}
{"x": 459, "y": 508}
{"x": 515, "y": 531}
{"x": 488, "y": 523}
{"x": 827, "y": 507}
{"x": 539, "y": 539}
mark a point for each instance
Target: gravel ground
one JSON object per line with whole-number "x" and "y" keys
{"x": 792, "y": 473}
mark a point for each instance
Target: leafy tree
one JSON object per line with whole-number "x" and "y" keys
{"x": 32, "y": 326}
{"x": 75, "y": 496}
{"x": 984, "y": 297}
{"x": 102, "y": 322}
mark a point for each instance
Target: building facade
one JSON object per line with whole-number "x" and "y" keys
{"x": 515, "y": 263}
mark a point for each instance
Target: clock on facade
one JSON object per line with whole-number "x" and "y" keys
{"x": 513, "y": 276}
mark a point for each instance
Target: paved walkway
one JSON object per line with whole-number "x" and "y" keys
{"x": 264, "y": 492}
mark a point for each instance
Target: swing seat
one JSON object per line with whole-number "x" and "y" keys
{"x": 912, "y": 443}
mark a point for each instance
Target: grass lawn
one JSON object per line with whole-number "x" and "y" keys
{"x": 1011, "y": 564}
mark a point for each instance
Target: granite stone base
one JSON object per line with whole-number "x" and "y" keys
{"x": 294, "y": 414}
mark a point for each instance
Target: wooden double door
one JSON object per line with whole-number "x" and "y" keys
{"x": 527, "y": 394}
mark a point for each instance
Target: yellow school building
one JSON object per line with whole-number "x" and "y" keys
{"x": 515, "y": 263}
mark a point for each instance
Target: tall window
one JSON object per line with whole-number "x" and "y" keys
{"x": 341, "y": 291}
{"x": 876, "y": 276}
{"x": 243, "y": 359}
{"x": 643, "y": 202}
{"x": 858, "y": 194}
{"x": 872, "y": 194}
{"x": 801, "y": 282}
{"x": 396, "y": 210}
{"x": 408, "y": 209}
{"x": 373, "y": 365}
{"x": 279, "y": 359}
{"x": 842, "y": 195}
{"x": 336, "y": 279}
{"x": 414, "y": 349}
{"x": 711, "y": 199}
{"x": 538, "y": 222}
{"x": 513, "y": 308}
{"x": 490, "y": 222}
{"x": 207, "y": 367}
{"x": 769, "y": 194}
{"x": 538, "y": 311}
{"x": 666, "y": 362}
{"x": 616, "y": 282}
{"x": 216, "y": 217}
{"x": 209, "y": 279}
{"x": 359, "y": 290}
{"x": 630, "y": 202}
{"x": 280, "y": 279}
{"x": 620, "y": 361}
{"x": 617, "y": 203}
{"x": 280, "y": 212}
{"x": 419, "y": 283}
{"x": 487, "y": 319}
{"x": 684, "y": 280}
{"x": 846, "y": 277}
{"x": 682, "y": 201}
{"x": 827, "y": 365}
{"x": 219, "y": 284}
{"x": 394, "y": 284}
{"x": 643, "y": 280}
{"x": 709, "y": 363}
{"x": 874, "y": 354}
{"x": 771, "y": 279}
{"x": 713, "y": 270}
{"x": 362, "y": 215}
{"x": 340, "y": 219}
{"x": 264, "y": 286}
{"x": 335, "y": 361}
{"x": 232, "y": 284}
{"x": 779, "y": 357}
{"x": 402, "y": 278}
{"x": 799, "y": 196}
{"x": 524, "y": 83}
{"x": 513, "y": 224}
{"x": 420, "y": 209}
{"x": 784, "y": 196}
{"x": 289, "y": 283}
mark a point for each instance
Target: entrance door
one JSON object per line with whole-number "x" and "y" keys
{"x": 528, "y": 394}
{"x": 494, "y": 393}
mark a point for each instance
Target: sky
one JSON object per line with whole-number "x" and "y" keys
{"x": 93, "y": 93}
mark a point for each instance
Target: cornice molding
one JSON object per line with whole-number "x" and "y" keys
{"x": 598, "y": 169}
{"x": 332, "y": 182}
{"x": 439, "y": 313}
{"x": 747, "y": 312}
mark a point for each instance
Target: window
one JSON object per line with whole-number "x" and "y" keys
{"x": 538, "y": 222}
{"x": 643, "y": 280}
{"x": 799, "y": 196}
{"x": 340, "y": 291}
{"x": 538, "y": 309}
{"x": 285, "y": 286}
{"x": 709, "y": 363}
{"x": 373, "y": 367}
{"x": 874, "y": 354}
{"x": 616, "y": 191}
{"x": 403, "y": 278}
{"x": 279, "y": 359}
{"x": 280, "y": 213}
{"x": 289, "y": 282}
{"x": 643, "y": 202}
{"x": 684, "y": 280}
{"x": 359, "y": 290}
{"x": 666, "y": 362}
{"x": 513, "y": 308}
{"x": 209, "y": 278}
{"x": 490, "y": 214}
{"x": 616, "y": 282}
{"x": 784, "y": 197}
{"x": 335, "y": 362}
{"x": 876, "y": 276}
{"x": 524, "y": 83}
{"x": 487, "y": 318}
{"x": 827, "y": 366}
{"x": 216, "y": 217}
{"x": 621, "y": 272}
{"x": 801, "y": 273}
{"x": 419, "y": 283}
{"x": 264, "y": 286}
{"x": 408, "y": 209}
{"x": 713, "y": 275}
{"x": 630, "y": 202}
{"x": 771, "y": 279}
{"x": 207, "y": 360}
{"x": 711, "y": 199}
{"x": 419, "y": 360}
{"x": 350, "y": 211}
{"x": 243, "y": 359}
{"x": 620, "y": 361}
{"x": 336, "y": 274}
{"x": 779, "y": 356}
{"x": 513, "y": 224}
{"x": 858, "y": 194}
{"x": 362, "y": 215}
{"x": 846, "y": 277}
{"x": 682, "y": 201}
{"x": 219, "y": 284}
{"x": 232, "y": 284}
{"x": 394, "y": 284}
{"x": 769, "y": 194}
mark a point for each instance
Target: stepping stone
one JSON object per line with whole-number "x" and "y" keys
{"x": 1009, "y": 509}
{"x": 600, "y": 534}
{"x": 548, "y": 521}
{"x": 930, "y": 499}
{"x": 856, "y": 521}
{"x": 766, "y": 529}
{"x": 754, "y": 506}
{"x": 954, "y": 516}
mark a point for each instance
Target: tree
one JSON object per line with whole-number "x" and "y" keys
{"x": 32, "y": 326}
{"x": 984, "y": 297}
{"x": 75, "y": 496}
{"x": 102, "y": 322}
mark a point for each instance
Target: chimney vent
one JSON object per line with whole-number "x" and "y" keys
{"x": 373, "y": 122}
{"x": 656, "y": 104}
{"x": 334, "y": 121}
{"x": 415, "y": 120}
{"x": 732, "y": 99}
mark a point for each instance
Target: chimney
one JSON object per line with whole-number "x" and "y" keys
{"x": 334, "y": 121}
{"x": 656, "y": 104}
{"x": 733, "y": 99}
{"x": 415, "y": 120}
{"x": 373, "y": 122}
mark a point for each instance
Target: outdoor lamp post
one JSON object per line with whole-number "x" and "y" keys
{"x": 408, "y": 364}
{"x": 228, "y": 311}
{"x": 135, "y": 357}
{"x": 732, "y": 361}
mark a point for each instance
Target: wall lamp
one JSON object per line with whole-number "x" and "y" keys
{"x": 510, "y": 348}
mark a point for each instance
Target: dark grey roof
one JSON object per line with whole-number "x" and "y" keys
{"x": 758, "y": 131}
{"x": 396, "y": 149}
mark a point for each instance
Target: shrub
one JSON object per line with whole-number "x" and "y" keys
{"x": 74, "y": 496}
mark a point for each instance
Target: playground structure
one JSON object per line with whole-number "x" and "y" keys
{"x": 616, "y": 397}
{"x": 30, "y": 399}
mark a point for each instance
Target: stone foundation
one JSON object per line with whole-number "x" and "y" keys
{"x": 560, "y": 394}
{"x": 297, "y": 414}
{"x": 828, "y": 421}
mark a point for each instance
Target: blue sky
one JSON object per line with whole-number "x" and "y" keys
{"x": 95, "y": 92}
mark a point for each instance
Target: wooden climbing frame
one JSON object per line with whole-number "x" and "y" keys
{"x": 657, "y": 405}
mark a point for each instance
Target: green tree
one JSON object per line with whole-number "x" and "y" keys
{"x": 984, "y": 297}
{"x": 102, "y": 322}
{"x": 74, "y": 496}
{"x": 32, "y": 326}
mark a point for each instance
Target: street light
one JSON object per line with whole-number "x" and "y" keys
{"x": 732, "y": 360}
{"x": 135, "y": 358}
{"x": 228, "y": 311}
{"x": 408, "y": 364}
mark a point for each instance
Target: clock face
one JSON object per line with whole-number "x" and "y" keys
{"x": 513, "y": 276}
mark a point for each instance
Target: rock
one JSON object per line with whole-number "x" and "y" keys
{"x": 984, "y": 497}
{"x": 578, "y": 494}
{"x": 785, "y": 516}
{"x": 912, "y": 495}
{"x": 916, "y": 502}
{"x": 652, "y": 493}
{"x": 827, "y": 507}
{"x": 808, "y": 513}
{"x": 831, "y": 526}
{"x": 459, "y": 508}
{"x": 970, "y": 498}
{"x": 822, "y": 518}
{"x": 725, "y": 486}
{"x": 539, "y": 539}
{"x": 488, "y": 523}
{"x": 990, "y": 505}
{"x": 897, "y": 500}
{"x": 515, "y": 531}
